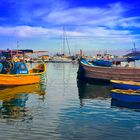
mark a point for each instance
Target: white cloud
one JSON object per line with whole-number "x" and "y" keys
{"x": 95, "y": 16}
{"x": 110, "y": 16}
{"x": 101, "y": 24}
{"x": 22, "y": 31}
{"x": 29, "y": 32}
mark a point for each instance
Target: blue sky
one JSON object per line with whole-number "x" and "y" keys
{"x": 91, "y": 25}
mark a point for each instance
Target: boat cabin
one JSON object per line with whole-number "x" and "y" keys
{"x": 10, "y": 62}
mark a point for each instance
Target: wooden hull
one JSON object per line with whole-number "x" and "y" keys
{"x": 125, "y": 84}
{"x": 22, "y": 79}
{"x": 108, "y": 73}
{"x": 125, "y": 95}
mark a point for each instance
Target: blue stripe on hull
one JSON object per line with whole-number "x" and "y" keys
{"x": 125, "y": 86}
{"x": 130, "y": 105}
{"x": 125, "y": 97}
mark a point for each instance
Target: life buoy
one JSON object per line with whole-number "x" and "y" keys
{"x": 8, "y": 66}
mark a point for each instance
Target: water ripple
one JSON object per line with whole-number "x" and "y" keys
{"x": 65, "y": 109}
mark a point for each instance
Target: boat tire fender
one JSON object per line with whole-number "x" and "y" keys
{"x": 8, "y": 65}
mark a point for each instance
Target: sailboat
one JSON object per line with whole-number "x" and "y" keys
{"x": 63, "y": 58}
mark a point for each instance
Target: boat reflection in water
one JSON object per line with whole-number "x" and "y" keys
{"x": 102, "y": 92}
{"x": 94, "y": 90}
{"x": 13, "y": 101}
{"x": 125, "y": 105}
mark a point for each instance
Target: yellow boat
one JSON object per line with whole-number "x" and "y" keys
{"x": 35, "y": 75}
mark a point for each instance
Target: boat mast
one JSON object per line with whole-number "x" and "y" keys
{"x": 65, "y": 40}
{"x": 134, "y": 47}
{"x": 17, "y": 47}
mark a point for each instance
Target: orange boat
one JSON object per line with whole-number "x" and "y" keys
{"x": 35, "y": 75}
{"x": 14, "y": 72}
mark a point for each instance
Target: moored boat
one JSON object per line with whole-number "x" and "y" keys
{"x": 125, "y": 84}
{"x": 126, "y": 95}
{"x": 60, "y": 59}
{"x": 88, "y": 70}
{"x": 24, "y": 77}
{"x": 14, "y": 72}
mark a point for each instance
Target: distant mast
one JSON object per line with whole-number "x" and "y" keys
{"x": 134, "y": 47}
{"x": 17, "y": 47}
{"x": 65, "y": 42}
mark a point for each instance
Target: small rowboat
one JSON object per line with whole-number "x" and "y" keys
{"x": 125, "y": 84}
{"x": 24, "y": 76}
{"x": 126, "y": 95}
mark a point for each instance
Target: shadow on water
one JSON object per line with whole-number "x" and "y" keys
{"x": 96, "y": 90}
{"x": 90, "y": 90}
{"x": 13, "y": 101}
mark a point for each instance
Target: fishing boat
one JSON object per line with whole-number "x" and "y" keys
{"x": 63, "y": 57}
{"x": 102, "y": 73}
{"x": 60, "y": 59}
{"x": 14, "y": 72}
{"x": 23, "y": 76}
{"x": 133, "y": 58}
{"x": 126, "y": 95}
{"x": 125, "y": 84}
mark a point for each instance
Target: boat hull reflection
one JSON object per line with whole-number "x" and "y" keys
{"x": 13, "y": 100}
{"x": 93, "y": 91}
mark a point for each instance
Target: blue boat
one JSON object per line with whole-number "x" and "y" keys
{"x": 105, "y": 63}
{"x": 126, "y": 95}
{"x": 133, "y": 58}
{"x": 119, "y": 84}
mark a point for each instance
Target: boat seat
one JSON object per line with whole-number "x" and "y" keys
{"x": 36, "y": 70}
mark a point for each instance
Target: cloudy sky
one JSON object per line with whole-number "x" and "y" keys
{"x": 91, "y": 25}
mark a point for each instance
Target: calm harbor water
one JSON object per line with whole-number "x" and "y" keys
{"x": 64, "y": 109}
